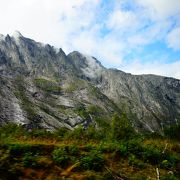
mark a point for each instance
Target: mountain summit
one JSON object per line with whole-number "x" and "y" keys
{"x": 45, "y": 88}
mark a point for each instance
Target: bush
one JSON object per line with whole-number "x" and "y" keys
{"x": 81, "y": 111}
{"x": 61, "y": 132}
{"x": 152, "y": 154}
{"x": 133, "y": 161}
{"x": 165, "y": 164}
{"x": 12, "y": 130}
{"x": 92, "y": 161}
{"x": 77, "y": 134}
{"x": 73, "y": 150}
{"x": 122, "y": 150}
{"x": 42, "y": 133}
{"x": 140, "y": 177}
{"x": 135, "y": 146}
{"x": 169, "y": 177}
{"x": 94, "y": 110}
{"x": 172, "y": 159}
{"x": 30, "y": 160}
{"x": 60, "y": 157}
{"x": 48, "y": 85}
{"x": 173, "y": 131}
{"x": 88, "y": 147}
{"x": 4, "y": 158}
{"x": 121, "y": 127}
{"x": 92, "y": 133}
{"x": 119, "y": 150}
{"x": 108, "y": 147}
{"x": 17, "y": 149}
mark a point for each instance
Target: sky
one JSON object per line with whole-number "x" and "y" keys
{"x": 136, "y": 36}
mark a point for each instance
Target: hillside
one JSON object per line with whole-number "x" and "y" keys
{"x": 42, "y": 87}
{"x": 91, "y": 154}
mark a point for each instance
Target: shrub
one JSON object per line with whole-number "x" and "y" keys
{"x": 73, "y": 150}
{"x": 48, "y": 85}
{"x": 30, "y": 160}
{"x": 88, "y": 147}
{"x": 140, "y": 177}
{"x": 173, "y": 131}
{"x": 92, "y": 161}
{"x": 42, "y": 133}
{"x": 92, "y": 133}
{"x": 108, "y": 147}
{"x": 169, "y": 177}
{"x": 77, "y": 134}
{"x": 133, "y": 161}
{"x": 60, "y": 157}
{"x": 75, "y": 85}
{"x": 12, "y": 130}
{"x": 81, "y": 111}
{"x": 17, "y": 149}
{"x": 103, "y": 125}
{"x": 172, "y": 159}
{"x": 152, "y": 154}
{"x": 4, "y": 158}
{"x": 94, "y": 110}
{"x": 135, "y": 146}
{"x": 122, "y": 150}
{"x": 165, "y": 164}
{"x": 61, "y": 132}
{"x": 121, "y": 127}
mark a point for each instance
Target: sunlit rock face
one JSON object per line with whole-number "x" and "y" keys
{"x": 42, "y": 87}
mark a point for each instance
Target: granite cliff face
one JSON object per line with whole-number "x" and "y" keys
{"x": 42, "y": 87}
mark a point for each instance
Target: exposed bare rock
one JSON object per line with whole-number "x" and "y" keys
{"x": 42, "y": 87}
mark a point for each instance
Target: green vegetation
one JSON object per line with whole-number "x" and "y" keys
{"x": 92, "y": 161}
{"x": 81, "y": 111}
{"x": 96, "y": 92}
{"x": 47, "y": 85}
{"x": 111, "y": 153}
{"x": 121, "y": 127}
{"x": 77, "y": 84}
{"x": 61, "y": 157}
{"x": 173, "y": 131}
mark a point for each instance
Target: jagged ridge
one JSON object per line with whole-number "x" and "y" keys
{"x": 44, "y": 87}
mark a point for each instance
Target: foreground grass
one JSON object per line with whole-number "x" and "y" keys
{"x": 85, "y": 155}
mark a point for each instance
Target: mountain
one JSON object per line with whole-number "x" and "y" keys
{"x": 42, "y": 87}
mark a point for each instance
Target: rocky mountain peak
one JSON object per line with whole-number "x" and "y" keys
{"x": 89, "y": 65}
{"x": 53, "y": 86}
{"x": 93, "y": 68}
{"x": 2, "y": 37}
{"x": 17, "y": 34}
{"x": 60, "y": 51}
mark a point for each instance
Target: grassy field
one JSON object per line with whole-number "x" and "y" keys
{"x": 86, "y": 154}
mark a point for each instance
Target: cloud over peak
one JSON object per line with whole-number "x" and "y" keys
{"x": 116, "y": 32}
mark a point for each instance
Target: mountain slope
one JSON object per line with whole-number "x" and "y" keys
{"x": 42, "y": 87}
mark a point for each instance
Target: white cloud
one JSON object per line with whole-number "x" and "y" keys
{"x": 160, "y": 9}
{"x": 159, "y": 17}
{"x": 107, "y": 48}
{"x": 156, "y": 31}
{"x": 85, "y": 25}
{"x": 173, "y": 39}
{"x": 158, "y": 68}
{"x": 120, "y": 20}
{"x": 50, "y": 21}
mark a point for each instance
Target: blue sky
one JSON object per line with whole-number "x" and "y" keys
{"x": 136, "y": 36}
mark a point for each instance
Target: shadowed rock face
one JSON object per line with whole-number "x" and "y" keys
{"x": 42, "y": 87}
